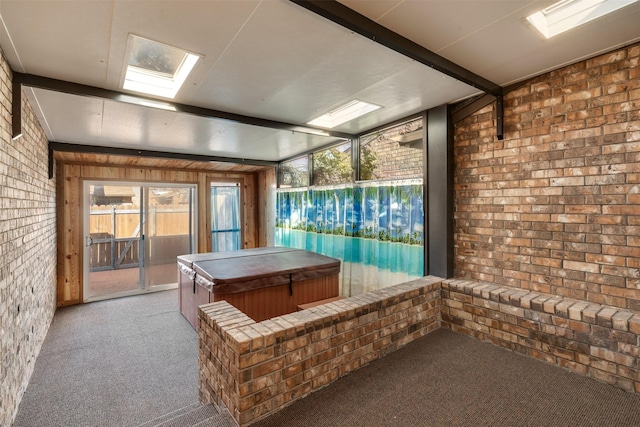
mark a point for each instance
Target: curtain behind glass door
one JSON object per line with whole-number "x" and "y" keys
{"x": 225, "y": 217}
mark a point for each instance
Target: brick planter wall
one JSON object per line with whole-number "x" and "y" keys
{"x": 255, "y": 369}
{"x": 600, "y": 341}
{"x": 28, "y": 248}
{"x": 555, "y": 206}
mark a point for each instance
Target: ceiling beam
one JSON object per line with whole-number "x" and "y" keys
{"x": 97, "y": 149}
{"x": 46, "y": 83}
{"x": 16, "y": 110}
{"x": 499, "y": 118}
{"x": 464, "y": 110}
{"x": 51, "y": 162}
{"x": 348, "y": 18}
{"x": 467, "y": 107}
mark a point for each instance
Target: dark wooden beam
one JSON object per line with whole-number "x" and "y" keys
{"x": 16, "y": 109}
{"x": 96, "y": 149}
{"x": 499, "y": 118}
{"x": 461, "y": 113}
{"x": 51, "y": 162}
{"x": 348, "y": 18}
{"x": 62, "y": 86}
{"x": 439, "y": 243}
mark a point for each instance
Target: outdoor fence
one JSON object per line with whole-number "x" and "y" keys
{"x": 115, "y": 233}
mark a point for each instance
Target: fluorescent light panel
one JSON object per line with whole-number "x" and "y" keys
{"x": 347, "y": 112}
{"x": 156, "y": 104}
{"x": 155, "y": 68}
{"x": 568, "y": 14}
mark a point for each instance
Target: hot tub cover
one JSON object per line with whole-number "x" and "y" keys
{"x": 239, "y": 271}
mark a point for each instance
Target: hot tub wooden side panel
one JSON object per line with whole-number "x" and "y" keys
{"x": 264, "y": 303}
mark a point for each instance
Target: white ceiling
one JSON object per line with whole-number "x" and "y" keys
{"x": 275, "y": 60}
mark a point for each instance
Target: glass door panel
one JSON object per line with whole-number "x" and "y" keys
{"x": 169, "y": 231}
{"x": 113, "y": 240}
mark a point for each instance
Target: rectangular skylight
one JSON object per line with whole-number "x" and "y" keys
{"x": 347, "y": 112}
{"x": 156, "y": 68}
{"x": 568, "y": 14}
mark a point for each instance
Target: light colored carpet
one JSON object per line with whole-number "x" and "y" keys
{"x": 120, "y": 362}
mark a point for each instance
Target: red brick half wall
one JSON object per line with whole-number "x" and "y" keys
{"x": 256, "y": 369}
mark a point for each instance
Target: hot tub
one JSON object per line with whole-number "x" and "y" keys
{"x": 261, "y": 282}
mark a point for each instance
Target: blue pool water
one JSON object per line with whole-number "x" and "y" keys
{"x": 396, "y": 257}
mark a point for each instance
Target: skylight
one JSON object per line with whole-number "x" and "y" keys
{"x": 155, "y": 68}
{"x": 568, "y": 14}
{"x": 347, "y": 112}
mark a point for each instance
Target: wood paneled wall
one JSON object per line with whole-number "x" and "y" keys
{"x": 267, "y": 206}
{"x": 258, "y": 211}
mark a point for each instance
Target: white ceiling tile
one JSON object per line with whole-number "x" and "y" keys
{"x": 61, "y": 111}
{"x": 274, "y": 59}
{"x": 66, "y": 40}
{"x": 205, "y": 28}
{"x": 437, "y": 24}
{"x": 510, "y": 62}
{"x": 374, "y": 10}
{"x": 267, "y": 56}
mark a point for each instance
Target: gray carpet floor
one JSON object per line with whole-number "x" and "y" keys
{"x": 133, "y": 362}
{"x": 448, "y": 379}
{"x": 120, "y": 362}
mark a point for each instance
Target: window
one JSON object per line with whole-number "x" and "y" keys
{"x": 333, "y": 165}
{"x": 294, "y": 173}
{"x": 392, "y": 153}
{"x": 225, "y": 217}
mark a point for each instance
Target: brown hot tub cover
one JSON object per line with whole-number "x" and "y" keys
{"x": 255, "y": 268}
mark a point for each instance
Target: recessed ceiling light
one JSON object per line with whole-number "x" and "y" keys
{"x": 568, "y": 14}
{"x": 347, "y": 112}
{"x": 156, "y": 68}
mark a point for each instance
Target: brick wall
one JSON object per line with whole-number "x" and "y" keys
{"x": 28, "y": 248}
{"x": 555, "y": 206}
{"x": 255, "y": 369}
{"x": 589, "y": 339}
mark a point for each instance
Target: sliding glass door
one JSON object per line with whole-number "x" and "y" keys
{"x": 170, "y": 230}
{"x": 133, "y": 234}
